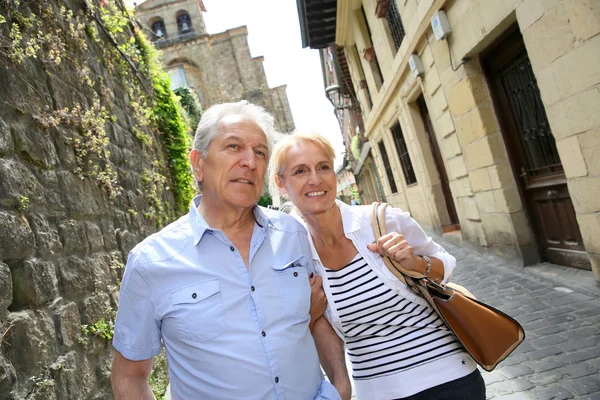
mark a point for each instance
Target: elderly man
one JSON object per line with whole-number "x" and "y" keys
{"x": 226, "y": 287}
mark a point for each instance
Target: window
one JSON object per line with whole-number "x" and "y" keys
{"x": 158, "y": 28}
{"x": 388, "y": 167}
{"x": 395, "y": 23}
{"x": 371, "y": 56}
{"x": 178, "y": 78}
{"x": 405, "y": 163}
{"x": 184, "y": 23}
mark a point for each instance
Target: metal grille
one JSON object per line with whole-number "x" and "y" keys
{"x": 535, "y": 135}
{"x": 405, "y": 163}
{"x": 388, "y": 167}
{"x": 395, "y": 22}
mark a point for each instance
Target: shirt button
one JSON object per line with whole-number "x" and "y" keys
{"x": 397, "y": 291}
{"x": 276, "y": 379}
{"x": 263, "y": 333}
{"x": 252, "y": 288}
{"x": 295, "y": 274}
{"x": 193, "y": 295}
{"x": 232, "y": 248}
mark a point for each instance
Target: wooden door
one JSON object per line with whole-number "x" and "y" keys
{"x": 439, "y": 164}
{"x": 532, "y": 151}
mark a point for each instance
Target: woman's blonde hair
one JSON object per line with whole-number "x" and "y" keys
{"x": 280, "y": 151}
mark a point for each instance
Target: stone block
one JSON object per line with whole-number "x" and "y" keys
{"x": 451, "y": 147}
{"x": 477, "y": 123}
{"x": 498, "y": 229}
{"x": 95, "y": 307}
{"x": 549, "y": 38}
{"x": 584, "y": 194}
{"x": 508, "y": 199}
{"x": 547, "y": 85}
{"x": 73, "y": 237}
{"x": 595, "y": 261}
{"x": 589, "y": 226}
{"x": 427, "y": 58}
{"x": 34, "y": 283}
{"x": 478, "y": 154}
{"x": 30, "y": 341}
{"x": 6, "y": 140}
{"x": 548, "y": 4}
{"x": 100, "y": 265}
{"x": 576, "y": 71}
{"x": 576, "y": 114}
{"x": 127, "y": 241}
{"x": 584, "y": 16}
{"x": 437, "y": 104}
{"x": 444, "y": 125}
{"x": 501, "y": 175}
{"x": 35, "y": 146}
{"x": 76, "y": 277}
{"x": 467, "y": 94}
{"x": 95, "y": 240}
{"x": 81, "y": 197}
{"x": 480, "y": 180}
{"x": 109, "y": 235}
{"x": 17, "y": 180}
{"x": 461, "y": 187}
{"x": 590, "y": 147}
{"x": 74, "y": 376}
{"x": 456, "y": 167}
{"x": 469, "y": 208}
{"x": 47, "y": 239}
{"x": 432, "y": 81}
{"x": 8, "y": 376}
{"x": 6, "y": 289}
{"x": 486, "y": 202}
{"x": 571, "y": 157}
{"x": 20, "y": 243}
{"x": 528, "y": 12}
{"x": 439, "y": 51}
{"x": 69, "y": 324}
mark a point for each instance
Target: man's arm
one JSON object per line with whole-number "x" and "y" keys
{"x": 331, "y": 354}
{"x": 130, "y": 378}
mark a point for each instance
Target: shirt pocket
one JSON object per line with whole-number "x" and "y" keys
{"x": 294, "y": 288}
{"x": 199, "y": 311}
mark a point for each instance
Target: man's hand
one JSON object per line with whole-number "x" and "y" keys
{"x": 318, "y": 300}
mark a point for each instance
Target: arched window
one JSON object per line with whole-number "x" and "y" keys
{"x": 184, "y": 23}
{"x": 158, "y": 29}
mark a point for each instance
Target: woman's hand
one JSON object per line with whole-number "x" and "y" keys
{"x": 318, "y": 300}
{"x": 394, "y": 246}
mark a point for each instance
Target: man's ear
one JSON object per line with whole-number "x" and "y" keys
{"x": 280, "y": 185}
{"x": 197, "y": 164}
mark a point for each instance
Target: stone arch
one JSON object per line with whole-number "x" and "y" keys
{"x": 193, "y": 75}
{"x": 184, "y": 22}
{"x": 158, "y": 28}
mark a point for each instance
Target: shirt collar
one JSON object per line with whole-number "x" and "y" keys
{"x": 200, "y": 226}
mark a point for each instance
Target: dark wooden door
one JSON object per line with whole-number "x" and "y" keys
{"x": 439, "y": 164}
{"x": 532, "y": 150}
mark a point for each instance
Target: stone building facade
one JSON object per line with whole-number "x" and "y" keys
{"x": 218, "y": 67}
{"x": 494, "y": 137}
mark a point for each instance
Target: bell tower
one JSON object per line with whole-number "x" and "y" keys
{"x": 167, "y": 22}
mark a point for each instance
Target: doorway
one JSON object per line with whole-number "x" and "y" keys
{"x": 532, "y": 152}
{"x": 439, "y": 165}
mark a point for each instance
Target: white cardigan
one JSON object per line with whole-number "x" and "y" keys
{"x": 357, "y": 225}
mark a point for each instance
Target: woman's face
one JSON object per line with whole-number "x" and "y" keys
{"x": 308, "y": 178}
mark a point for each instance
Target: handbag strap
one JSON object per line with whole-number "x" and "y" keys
{"x": 379, "y": 229}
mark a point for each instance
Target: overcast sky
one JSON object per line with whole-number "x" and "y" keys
{"x": 274, "y": 32}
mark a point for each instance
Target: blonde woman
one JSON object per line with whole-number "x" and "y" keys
{"x": 397, "y": 345}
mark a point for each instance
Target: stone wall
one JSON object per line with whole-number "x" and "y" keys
{"x": 82, "y": 180}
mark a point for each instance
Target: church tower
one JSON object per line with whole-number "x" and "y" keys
{"x": 217, "y": 67}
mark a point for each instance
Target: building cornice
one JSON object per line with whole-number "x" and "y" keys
{"x": 384, "y": 101}
{"x": 341, "y": 20}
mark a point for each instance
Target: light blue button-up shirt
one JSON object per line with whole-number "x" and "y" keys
{"x": 229, "y": 332}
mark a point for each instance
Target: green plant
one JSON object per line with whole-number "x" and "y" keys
{"x": 191, "y": 105}
{"x": 265, "y": 200}
{"x": 355, "y": 147}
{"x": 23, "y": 204}
{"x": 159, "y": 377}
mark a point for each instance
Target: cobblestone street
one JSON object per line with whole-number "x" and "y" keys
{"x": 560, "y": 311}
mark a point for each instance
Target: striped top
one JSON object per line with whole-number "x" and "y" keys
{"x": 385, "y": 334}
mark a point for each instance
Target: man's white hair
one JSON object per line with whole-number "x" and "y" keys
{"x": 207, "y": 128}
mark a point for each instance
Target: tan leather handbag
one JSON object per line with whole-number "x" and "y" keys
{"x": 487, "y": 334}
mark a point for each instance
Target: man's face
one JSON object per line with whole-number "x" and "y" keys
{"x": 233, "y": 172}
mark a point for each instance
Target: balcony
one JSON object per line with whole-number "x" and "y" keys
{"x": 171, "y": 40}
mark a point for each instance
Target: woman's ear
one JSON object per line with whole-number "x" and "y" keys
{"x": 280, "y": 186}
